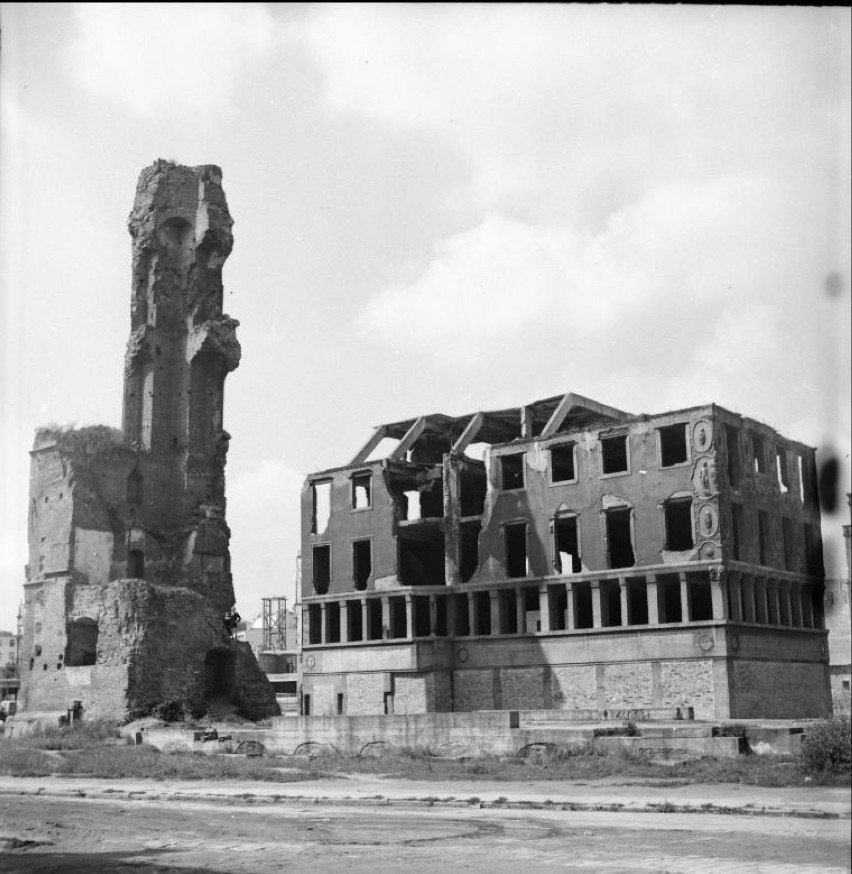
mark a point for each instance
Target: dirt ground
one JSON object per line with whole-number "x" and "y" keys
{"x": 50, "y": 834}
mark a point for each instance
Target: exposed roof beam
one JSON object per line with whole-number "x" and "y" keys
{"x": 409, "y": 440}
{"x": 470, "y": 431}
{"x": 571, "y": 400}
{"x": 527, "y": 420}
{"x": 369, "y": 446}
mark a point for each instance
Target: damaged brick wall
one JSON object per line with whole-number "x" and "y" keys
{"x": 129, "y": 579}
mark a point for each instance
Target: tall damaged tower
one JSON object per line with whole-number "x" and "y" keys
{"x": 129, "y": 583}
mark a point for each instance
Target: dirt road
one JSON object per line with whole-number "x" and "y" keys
{"x": 42, "y": 834}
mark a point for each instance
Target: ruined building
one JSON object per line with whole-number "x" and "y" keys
{"x": 128, "y": 582}
{"x": 586, "y": 559}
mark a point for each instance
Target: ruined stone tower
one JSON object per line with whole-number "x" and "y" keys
{"x": 129, "y": 576}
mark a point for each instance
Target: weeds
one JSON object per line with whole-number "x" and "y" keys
{"x": 827, "y": 746}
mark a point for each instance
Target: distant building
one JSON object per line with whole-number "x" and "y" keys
{"x": 838, "y": 620}
{"x": 8, "y": 665}
{"x": 587, "y": 559}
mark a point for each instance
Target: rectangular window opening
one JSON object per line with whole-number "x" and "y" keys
{"x": 462, "y": 616}
{"x": 422, "y": 620}
{"x": 566, "y": 545}
{"x": 737, "y": 530}
{"x": 473, "y": 485}
{"x": 762, "y": 535}
{"x": 700, "y": 599}
{"x": 441, "y": 628}
{"x": 314, "y": 623}
{"x": 321, "y": 497}
{"x": 678, "y": 525}
{"x": 673, "y": 445}
{"x": 562, "y": 463}
{"x": 469, "y": 550}
{"x": 362, "y": 491}
{"x": 340, "y": 708}
{"x": 787, "y": 536}
{"x": 758, "y": 450}
{"x": 583, "y": 611}
{"x": 374, "y": 619}
{"x": 354, "y": 624}
{"x": 732, "y": 441}
{"x": 333, "y": 622}
{"x": 619, "y": 540}
{"x": 532, "y": 610}
{"x": 637, "y": 602}
{"x": 483, "y": 613}
{"x": 614, "y": 454}
{"x": 558, "y": 597}
{"x": 516, "y": 549}
{"x": 398, "y": 619}
{"x": 421, "y": 560}
{"x": 508, "y": 612}
{"x": 813, "y": 551}
{"x": 668, "y": 593}
{"x": 610, "y": 603}
{"x": 512, "y": 471}
{"x": 362, "y": 563}
{"x": 321, "y": 568}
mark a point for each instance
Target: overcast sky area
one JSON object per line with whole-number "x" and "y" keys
{"x": 437, "y": 209}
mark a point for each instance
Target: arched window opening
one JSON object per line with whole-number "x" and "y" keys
{"x": 135, "y": 487}
{"x": 136, "y": 564}
{"x": 82, "y": 643}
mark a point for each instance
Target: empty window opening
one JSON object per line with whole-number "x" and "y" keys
{"x": 673, "y": 446}
{"x": 340, "y": 704}
{"x": 566, "y": 545}
{"x": 321, "y": 568}
{"x": 441, "y": 617}
{"x": 473, "y": 485}
{"x": 678, "y": 515}
{"x": 306, "y": 705}
{"x": 136, "y": 564}
{"x": 762, "y": 535}
{"x": 421, "y": 560}
{"x": 81, "y": 647}
{"x": 807, "y": 474}
{"x": 700, "y": 599}
{"x": 314, "y": 623}
{"x": 562, "y": 465}
{"x": 614, "y": 454}
{"x": 468, "y": 550}
{"x": 512, "y": 471}
{"x": 783, "y": 470}
{"x": 558, "y": 604}
{"x": 135, "y": 487}
{"x": 772, "y": 611}
{"x": 422, "y": 617}
{"x": 362, "y": 486}
{"x": 374, "y": 619}
{"x": 219, "y": 674}
{"x": 508, "y": 611}
{"x": 583, "y": 612}
{"x": 637, "y": 602}
{"x": 532, "y": 611}
{"x": 483, "y": 613}
{"x": 787, "y": 537}
{"x": 732, "y": 440}
{"x": 412, "y": 505}
{"x": 619, "y": 538}
{"x": 398, "y": 618}
{"x": 737, "y": 530}
{"x": 362, "y": 563}
{"x": 332, "y": 618}
{"x": 388, "y": 700}
{"x": 668, "y": 594}
{"x": 354, "y": 621}
{"x": 321, "y": 495}
{"x": 516, "y": 549}
{"x": 432, "y": 501}
{"x": 813, "y": 550}
{"x": 610, "y": 603}
{"x": 784, "y": 617}
{"x": 758, "y": 450}
{"x": 462, "y": 616}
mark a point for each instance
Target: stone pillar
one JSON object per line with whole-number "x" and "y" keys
{"x": 521, "y": 610}
{"x": 571, "y": 619}
{"x": 494, "y": 598}
{"x": 306, "y": 626}
{"x": 597, "y": 612}
{"x": 323, "y": 623}
{"x": 685, "y": 613}
{"x": 343, "y": 620}
{"x": 365, "y": 618}
{"x": 385, "y": 618}
{"x": 625, "y": 603}
{"x": 719, "y": 593}
{"x": 472, "y": 613}
{"x": 653, "y": 599}
{"x": 433, "y": 615}
{"x": 544, "y": 607}
{"x": 409, "y": 617}
{"x": 786, "y": 607}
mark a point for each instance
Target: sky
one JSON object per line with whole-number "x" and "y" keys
{"x": 438, "y": 208}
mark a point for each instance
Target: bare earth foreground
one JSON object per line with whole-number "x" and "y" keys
{"x": 55, "y": 824}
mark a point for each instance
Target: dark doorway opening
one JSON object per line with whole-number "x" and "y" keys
{"x": 219, "y": 673}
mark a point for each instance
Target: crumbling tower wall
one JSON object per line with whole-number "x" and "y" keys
{"x": 129, "y": 576}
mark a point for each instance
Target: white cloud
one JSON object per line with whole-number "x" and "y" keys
{"x": 168, "y": 58}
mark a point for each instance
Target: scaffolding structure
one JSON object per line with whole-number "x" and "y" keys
{"x": 274, "y": 624}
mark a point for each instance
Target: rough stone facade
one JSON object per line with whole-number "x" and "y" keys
{"x": 584, "y": 559}
{"x": 128, "y": 581}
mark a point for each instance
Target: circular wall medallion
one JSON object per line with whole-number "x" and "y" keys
{"x": 708, "y": 520}
{"x": 703, "y": 476}
{"x": 708, "y": 550}
{"x": 462, "y": 655}
{"x": 310, "y": 661}
{"x": 702, "y": 435}
{"x": 735, "y": 642}
{"x": 705, "y": 641}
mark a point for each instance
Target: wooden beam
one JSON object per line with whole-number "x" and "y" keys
{"x": 569, "y": 402}
{"x": 469, "y": 433}
{"x": 409, "y": 440}
{"x": 369, "y": 446}
{"x": 527, "y": 423}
